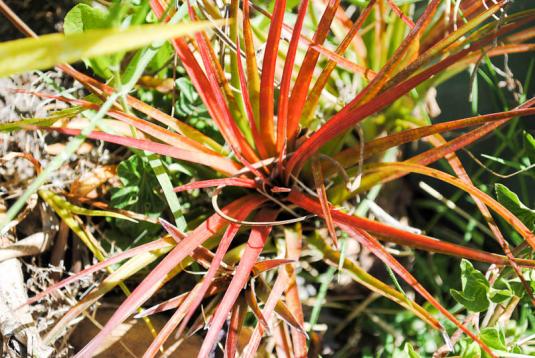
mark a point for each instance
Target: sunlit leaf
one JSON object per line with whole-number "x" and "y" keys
{"x": 494, "y": 337}
{"x": 48, "y": 50}
{"x": 410, "y": 352}
{"x": 474, "y": 289}
{"x": 511, "y": 201}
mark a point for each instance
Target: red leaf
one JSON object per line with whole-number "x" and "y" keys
{"x": 154, "y": 245}
{"x": 236, "y": 139}
{"x": 324, "y": 201}
{"x": 266, "y": 265}
{"x": 164, "y": 306}
{"x": 434, "y": 154}
{"x": 221, "y": 164}
{"x": 350, "y": 116}
{"x": 147, "y": 127}
{"x": 101, "y": 88}
{"x": 515, "y": 222}
{"x": 153, "y": 280}
{"x": 294, "y": 242}
{"x": 210, "y": 92}
{"x": 351, "y": 156}
{"x": 267, "y": 92}
{"x": 278, "y": 289}
{"x": 216, "y": 287}
{"x": 282, "y": 119}
{"x": 304, "y": 77}
{"x": 378, "y": 250}
{"x": 222, "y": 248}
{"x": 171, "y": 324}
{"x": 241, "y": 182}
{"x": 345, "y": 222}
{"x": 255, "y": 244}
{"x": 237, "y": 319}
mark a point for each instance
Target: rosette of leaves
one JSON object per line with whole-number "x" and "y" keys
{"x": 285, "y": 172}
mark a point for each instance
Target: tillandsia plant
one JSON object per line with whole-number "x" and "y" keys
{"x": 303, "y": 100}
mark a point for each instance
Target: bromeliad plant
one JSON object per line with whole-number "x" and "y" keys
{"x": 295, "y": 153}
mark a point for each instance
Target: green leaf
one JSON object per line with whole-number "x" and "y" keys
{"x": 494, "y": 338}
{"x": 46, "y": 122}
{"x": 511, "y": 201}
{"x": 82, "y": 18}
{"x": 474, "y": 289}
{"x": 189, "y": 102}
{"x": 410, "y": 352}
{"x": 500, "y": 292}
{"x": 40, "y": 53}
{"x": 190, "y": 105}
{"x": 139, "y": 193}
{"x": 503, "y": 290}
{"x": 160, "y": 59}
{"x": 164, "y": 180}
{"x": 529, "y": 146}
{"x": 471, "y": 350}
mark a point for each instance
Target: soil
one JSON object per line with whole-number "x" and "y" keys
{"x": 43, "y": 16}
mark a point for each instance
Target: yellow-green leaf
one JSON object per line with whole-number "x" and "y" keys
{"x": 46, "y": 51}
{"x": 46, "y": 122}
{"x": 59, "y": 202}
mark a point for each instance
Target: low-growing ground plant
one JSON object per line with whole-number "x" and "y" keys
{"x": 262, "y": 132}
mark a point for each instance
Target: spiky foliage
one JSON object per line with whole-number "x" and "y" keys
{"x": 296, "y": 157}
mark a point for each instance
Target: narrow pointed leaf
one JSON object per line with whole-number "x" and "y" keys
{"x": 156, "y": 277}
{"x": 322, "y": 195}
{"x": 255, "y": 244}
{"x": 151, "y": 246}
{"x": 350, "y": 156}
{"x": 252, "y": 302}
{"x": 267, "y": 265}
{"x": 284, "y": 96}
{"x": 267, "y": 92}
{"x": 344, "y": 222}
{"x": 237, "y": 319}
{"x": 217, "y": 261}
{"x": 490, "y": 202}
{"x": 224, "y": 165}
{"x": 294, "y": 242}
{"x": 304, "y": 77}
{"x": 129, "y": 268}
{"x": 241, "y": 182}
{"x": 362, "y": 277}
{"x": 348, "y": 116}
{"x": 263, "y": 291}
{"x": 278, "y": 290}
{"x": 46, "y": 51}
